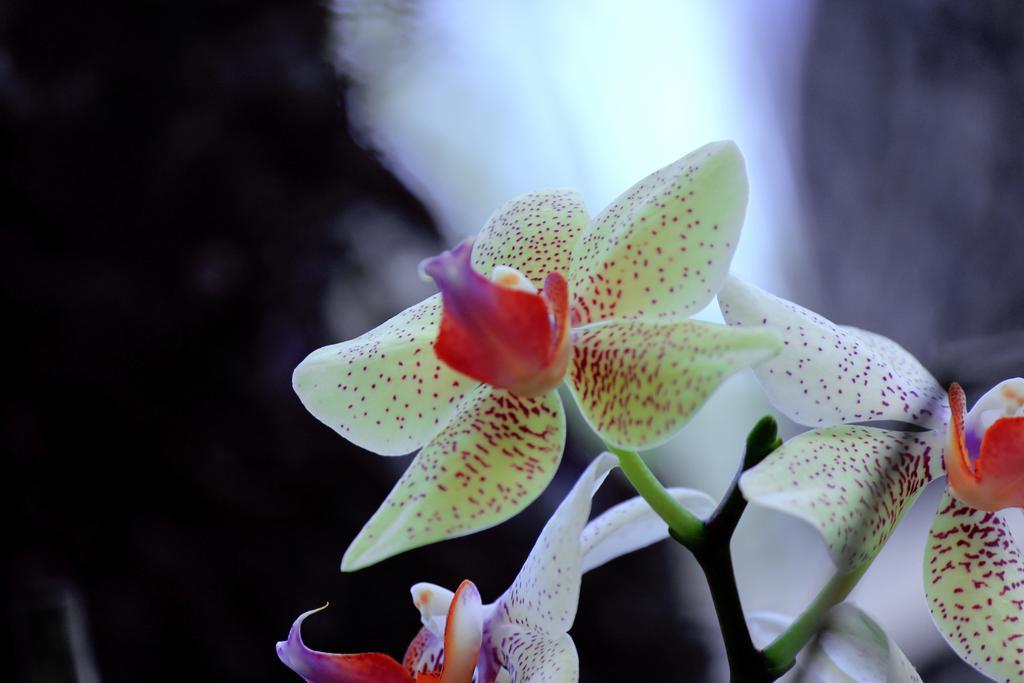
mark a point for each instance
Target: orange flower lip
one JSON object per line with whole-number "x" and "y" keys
{"x": 985, "y": 454}
{"x": 500, "y": 333}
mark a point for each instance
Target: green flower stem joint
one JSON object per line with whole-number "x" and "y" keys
{"x": 709, "y": 542}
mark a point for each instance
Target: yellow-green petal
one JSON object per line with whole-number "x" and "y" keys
{"x": 535, "y": 234}
{"x": 974, "y": 583}
{"x": 492, "y": 460}
{"x": 662, "y": 249}
{"x": 638, "y": 383}
{"x": 385, "y": 391}
{"x": 853, "y": 484}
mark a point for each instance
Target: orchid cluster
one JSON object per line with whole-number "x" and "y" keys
{"x": 545, "y": 296}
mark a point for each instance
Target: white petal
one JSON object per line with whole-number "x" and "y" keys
{"x": 433, "y": 602}
{"x": 532, "y": 657}
{"x": 765, "y": 627}
{"x": 1005, "y": 399}
{"x": 632, "y": 525}
{"x": 860, "y": 649}
{"x": 544, "y": 595}
{"x": 850, "y": 648}
{"x": 828, "y": 374}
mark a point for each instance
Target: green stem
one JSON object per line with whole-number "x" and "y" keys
{"x": 746, "y": 663}
{"x": 709, "y": 543}
{"x": 710, "y": 546}
{"x": 782, "y": 652}
{"x": 686, "y": 527}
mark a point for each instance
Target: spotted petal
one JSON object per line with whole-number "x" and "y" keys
{"x": 662, "y": 249}
{"x": 533, "y": 657}
{"x": 494, "y": 458}
{"x": 535, "y": 234}
{"x": 385, "y": 391}
{"x": 974, "y": 582}
{"x": 828, "y": 374}
{"x": 325, "y": 667}
{"x": 632, "y": 525}
{"x": 853, "y": 484}
{"x": 638, "y": 383}
{"x": 544, "y": 595}
{"x": 425, "y": 654}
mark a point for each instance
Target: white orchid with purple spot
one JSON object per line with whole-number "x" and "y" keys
{"x": 854, "y": 482}
{"x": 522, "y": 637}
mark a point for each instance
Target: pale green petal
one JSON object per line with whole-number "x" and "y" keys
{"x": 535, "y": 234}
{"x": 853, "y": 484}
{"x": 662, "y": 249}
{"x": 492, "y": 460}
{"x": 632, "y": 525}
{"x": 385, "y": 391}
{"x": 974, "y": 582}
{"x": 828, "y": 374}
{"x": 638, "y": 383}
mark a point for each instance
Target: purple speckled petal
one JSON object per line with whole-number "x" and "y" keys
{"x": 325, "y": 667}
{"x": 661, "y": 250}
{"x": 544, "y": 595}
{"x": 491, "y": 461}
{"x": 385, "y": 391}
{"x": 828, "y": 374}
{"x": 974, "y": 582}
{"x": 638, "y": 383}
{"x": 525, "y": 629}
{"x": 535, "y": 234}
{"x": 425, "y": 654}
{"x": 532, "y": 657}
{"x": 632, "y": 525}
{"x": 851, "y": 483}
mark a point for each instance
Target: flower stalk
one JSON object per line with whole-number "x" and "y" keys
{"x": 709, "y": 542}
{"x": 683, "y": 525}
{"x": 781, "y": 653}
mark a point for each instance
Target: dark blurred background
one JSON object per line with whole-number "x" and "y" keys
{"x": 179, "y": 185}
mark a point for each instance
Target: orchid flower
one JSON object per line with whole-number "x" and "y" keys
{"x": 540, "y": 296}
{"x": 855, "y": 482}
{"x": 850, "y": 647}
{"x": 522, "y": 636}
